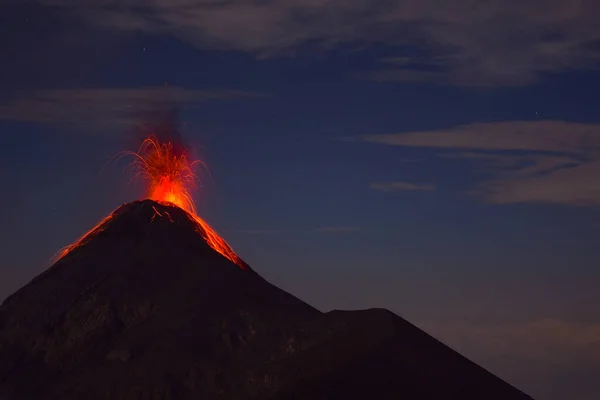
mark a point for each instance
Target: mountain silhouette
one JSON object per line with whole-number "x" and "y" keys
{"x": 144, "y": 308}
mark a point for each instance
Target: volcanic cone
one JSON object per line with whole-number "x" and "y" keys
{"x": 144, "y": 308}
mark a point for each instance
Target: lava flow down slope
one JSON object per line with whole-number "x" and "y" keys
{"x": 153, "y": 304}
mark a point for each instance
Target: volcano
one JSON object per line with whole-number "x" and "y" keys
{"x": 145, "y": 308}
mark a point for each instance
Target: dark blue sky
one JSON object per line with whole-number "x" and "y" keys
{"x": 440, "y": 161}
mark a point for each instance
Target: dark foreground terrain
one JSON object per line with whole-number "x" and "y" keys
{"x": 147, "y": 310}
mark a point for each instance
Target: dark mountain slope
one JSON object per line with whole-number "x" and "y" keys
{"x": 145, "y": 309}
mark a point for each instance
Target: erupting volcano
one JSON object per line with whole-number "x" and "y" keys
{"x": 153, "y": 304}
{"x": 170, "y": 177}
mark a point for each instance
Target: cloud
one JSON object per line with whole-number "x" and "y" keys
{"x": 467, "y": 42}
{"x": 102, "y": 107}
{"x": 407, "y": 75}
{"x": 548, "y": 340}
{"x": 402, "y": 61}
{"x": 552, "y": 162}
{"x": 549, "y": 136}
{"x": 520, "y": 164}
{"x": 576, "y": 185}
{"x": 400, "y": 186}
{"x": 337, "y": 229}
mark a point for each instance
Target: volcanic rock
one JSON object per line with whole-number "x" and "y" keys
{"x": 145, "y": 309}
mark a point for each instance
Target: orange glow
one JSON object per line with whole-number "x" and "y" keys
{"x": 170, "y": 176}
{"x": 168, "y": 172}
{"x": 216, "y": 242}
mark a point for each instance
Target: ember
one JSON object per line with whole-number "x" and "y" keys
{"x": 170, "y": 177}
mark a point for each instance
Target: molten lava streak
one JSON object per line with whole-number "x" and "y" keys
{"x": 169, "y": 174}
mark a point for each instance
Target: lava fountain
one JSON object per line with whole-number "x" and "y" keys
{"x": 168, "y": 172}
{"x": 170, "y": 176}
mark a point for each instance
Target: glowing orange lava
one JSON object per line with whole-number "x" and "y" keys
{"x": 84, "y": 239}
{"x": 170, "y": 176}
{"x": 168, "y": 172}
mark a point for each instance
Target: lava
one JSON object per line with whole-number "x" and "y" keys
{"x": 170, "y": 177}
{"x": 168, "y": 172}
{"x": 99, "y": 227}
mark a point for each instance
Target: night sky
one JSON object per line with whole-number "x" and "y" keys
{"x": 439, "y": 159}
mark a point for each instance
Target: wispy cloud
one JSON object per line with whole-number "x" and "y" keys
{"x": 497, "y": 42}
{"x": 555, "y": 162}
{"x": 400, "y": 186}
{"x": 337, "y": 229}
{"x": 523, "y": 164}
{"x": 574, "y": 185}
{"x": 411, "y": 75}
{"x": 103, "y": 107}
{"x": 550, "y": 136}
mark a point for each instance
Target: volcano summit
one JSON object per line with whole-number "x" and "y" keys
{"x": 145, "y": 308}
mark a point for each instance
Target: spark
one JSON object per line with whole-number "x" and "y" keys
{"x": 168, "y": 172}
{"x": 170, "y": 177}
